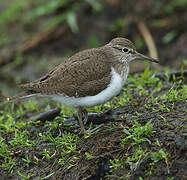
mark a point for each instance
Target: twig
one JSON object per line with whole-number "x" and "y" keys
{"x": 170, "y": 75}
{"x": 48, "y": 115}
{"x": 148, "y": 38}
{"x": 40, "y": 38}
{"x": 149, "y": 42}
{"x": 34, "y": 42}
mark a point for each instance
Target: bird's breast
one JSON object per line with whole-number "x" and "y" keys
{"x": 123, "y": 70}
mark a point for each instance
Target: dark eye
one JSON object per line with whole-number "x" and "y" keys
{"x": 125, "y": 50}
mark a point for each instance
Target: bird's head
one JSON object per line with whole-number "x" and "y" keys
{"x": 127, "y": 51}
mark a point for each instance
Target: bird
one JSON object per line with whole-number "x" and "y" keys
{"x": 89, "y": 78}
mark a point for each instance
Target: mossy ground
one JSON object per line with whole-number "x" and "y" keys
{"x": 146, "y": 138}
{"x": 144, "y": 131}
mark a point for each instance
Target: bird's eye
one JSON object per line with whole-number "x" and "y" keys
{"x": 125, "y": 50}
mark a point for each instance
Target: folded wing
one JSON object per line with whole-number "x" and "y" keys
{"x": 84, "y": 74}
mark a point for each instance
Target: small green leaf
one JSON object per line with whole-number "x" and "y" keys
{"x": 72, "y": 21}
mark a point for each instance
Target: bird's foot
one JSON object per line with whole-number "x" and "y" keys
{"x": 84, "y": 115}
{"x": 82, "y": 118}
{"x": 92, "y": 131}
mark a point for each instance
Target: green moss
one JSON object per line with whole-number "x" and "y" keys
{"x": 116, "y": 164}
{"x": 16, "y": 122}
{"x": 6, "y": 156}
{"x": 138, "y": 134}
{"x": 21, "y": 139}
{"x": 25, "y": 176}
{"x": 135, "y": 159}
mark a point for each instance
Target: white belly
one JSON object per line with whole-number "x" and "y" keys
{"x": 111, "y": 91}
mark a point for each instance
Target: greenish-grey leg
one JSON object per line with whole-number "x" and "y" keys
{"x": 80, "y": 119}
{"x": 85, "y": 116}
{"x": 82, "y": 115}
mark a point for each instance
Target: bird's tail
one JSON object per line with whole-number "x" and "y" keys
{"x": 22, "y": 96}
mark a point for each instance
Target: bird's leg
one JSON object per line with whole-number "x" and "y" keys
{"x": 82, "y": 115}
{"x": 80, "y": 119}
{"x": 85, "y": 116}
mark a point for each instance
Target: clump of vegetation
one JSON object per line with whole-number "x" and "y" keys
{"x": 58, "y": 142}
{"x": 138, "y": 134}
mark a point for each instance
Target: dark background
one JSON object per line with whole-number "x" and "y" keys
{"x": 35, "y": 36}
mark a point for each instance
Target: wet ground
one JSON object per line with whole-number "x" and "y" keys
{"x": 143, "y": 138}
{"x": 144, "y": 130}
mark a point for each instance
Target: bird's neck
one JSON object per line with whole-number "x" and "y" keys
{"x": 114, "y": 59}
{"x": 122, "y": 69}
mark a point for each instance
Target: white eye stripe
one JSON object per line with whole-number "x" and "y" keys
{"x": 124, "y": 49}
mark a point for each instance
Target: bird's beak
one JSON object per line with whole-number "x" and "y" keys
{"x": 141, "y": 56}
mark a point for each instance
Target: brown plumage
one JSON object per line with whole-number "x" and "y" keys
{"x": 70, "y": 79}
{"x": 90, "y": 77}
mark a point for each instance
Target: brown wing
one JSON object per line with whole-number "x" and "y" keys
{"x": 84, "y": 74}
